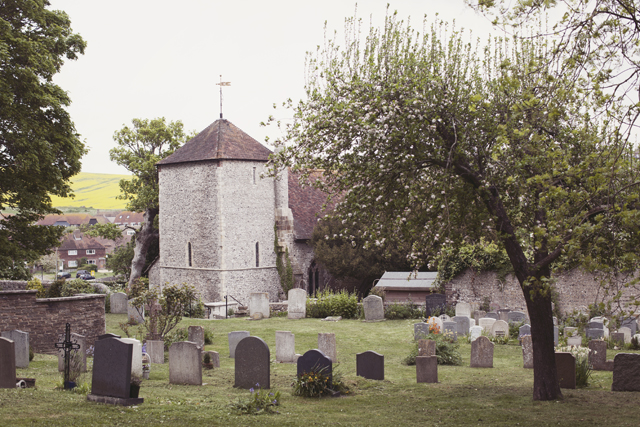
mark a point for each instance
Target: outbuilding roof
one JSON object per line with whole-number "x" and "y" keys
{"x": 221, "y": 140}
{"x": 407, "y": 280}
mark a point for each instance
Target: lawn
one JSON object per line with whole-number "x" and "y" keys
{"x": 463, "y": 396}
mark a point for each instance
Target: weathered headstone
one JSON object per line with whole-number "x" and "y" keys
{"x": 136, "y": 356}
{"x": 21, "y": 344}
{"x": 135, "y": 315}
{"x": 475, "y": 332}
{"x": 7, "y": 363}
{"x": 527, "y": 352}
{"x": 626, "y": 372}
{"x": 574, "y": 341}
{"x": 426, "y": 348}
{"x": 631, "y": 323}
{"x": 315, "y": 361}
{"x": 252, "y": 364}
{"x": 449, "y": 330}
{"x": 215, "y": 357}
{"x": 285, "y": 347}
{"x": 196, "y": 335}
{"x": 482, "y": 353}
{"x": 435, "y": 302}
{"x": 566, "y": 368}
{"x": 327, "y": 345}
{"x": 370, "y": 365}
{"x": 81, "y": 355}
{"x": 259, "y": 303}
{"x": 111, "y": 376}
{"x": 118, "y": 303}
{"x": 234, "y": 338}
{"x": 486, "y": 323}
{"x": 524, "y": 330}
{"x": 427, "y": 369}
{"x": 185, "y": 363}
{"x": 155, "y": 350}
{"x": 594, "y": 333}
{"x": 598, "y": 354}
{"x": 556, "y": 336}
{"x": 626, "y": 332}
{"x": 463, "y": 309}
{"x": 503, "y": 314}
{"x": 297, "y": 307}
{"x": 516, "y": 316}
{"x": 373, "y": 308}
{"x": 420, "y": 330}
{"x": 492, "y": 315}
{"x": 617, "y": 338}
{"x": 463, "y": 324}
{"x": 500, "y": 328}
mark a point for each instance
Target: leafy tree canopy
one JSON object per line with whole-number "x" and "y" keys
{"x": 39, "y": 147}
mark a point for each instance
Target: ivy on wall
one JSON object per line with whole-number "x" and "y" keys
{"x": 283, "y": 264}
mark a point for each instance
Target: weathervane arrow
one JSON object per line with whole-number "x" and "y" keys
{"x": 222, "y": 84}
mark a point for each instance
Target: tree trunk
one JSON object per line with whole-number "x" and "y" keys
{"x": 144, "y": 239}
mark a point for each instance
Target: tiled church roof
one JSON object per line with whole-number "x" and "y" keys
{"x": 306, "y": 205}
{"x": 221, "y": 140}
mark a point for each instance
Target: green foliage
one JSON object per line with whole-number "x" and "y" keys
{"x": 446, "y": 351}
{"x": 76, "y": 286}
{"x": 195, "y": 309}
{"x": 176, "y": 335}
{"x": 514, "y": 329}
{"x": 318, "y": 383}
{"x": 283, "y": 264}
{"x": 330, "y": 303}
{"x": 119, "y": 261}
{"x": 31, "y": 354}
{"x": 36, "y": 284}
{"x": 259, "y": 402}
{"x": 55, "y": 289}
{"x": 89, "y": 267}
{"x": 403, "y": 310}
{"x": 481, "y": 256}
{"x": 109, "y": 231}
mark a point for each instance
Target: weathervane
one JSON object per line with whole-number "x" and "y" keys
{"x": 222, "y": 84}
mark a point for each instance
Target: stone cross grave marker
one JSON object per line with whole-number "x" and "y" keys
{"x": 315, "y": 361}
{"x": 482, "y": 353}
{"x": 185, "y": 363}
{"x": 252, "y": 364}
{"x": 370, "y": 365}
{"x": 81, "y": 354}
{"x": 373, "y": 308}
{"x": 67, "y": 345}
{"x": 7, "y": 363}
{"x": 626, "y": 372}
{"x": 327, "y": 345}
{"x": 234, "y": 338}
{"x": 297, "y": 306}
{"x": 21, "y": 343}
{"x": 427, "y": 369}
{"x": 433, "y": 302}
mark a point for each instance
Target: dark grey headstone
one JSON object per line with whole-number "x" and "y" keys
{"x": 524, "y": 330}
{"x": 463, "y": 324}
{"x": 626, "y": 372}
{"x": 112, "y": 368}
{"x": 427, "y": 369}
{"x": 566, "y": 368}
{"x": 101, "y": 337}
{"x": 253, "y": 364}
{"x": 420, "y": 330}
{"x": 482, "y": 353}
{"x": 516, "y": 317}
{"x": 598, "y": 354}
{"x": 370, "y": 365}
{"x": 630, "y": 323}
{"x": 595, "y": 325}
{"x": 449, "y": 329}
{"x": 7, "y": 363}
{"x": 315, "y": 361}
{"x": 593, "y": 333}
{"x": 434, "y": 301}
{"x": 492, "y": 315}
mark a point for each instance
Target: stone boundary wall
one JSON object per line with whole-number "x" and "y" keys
{"x": 45, "y": 318}
{"x": 576, "y": 290}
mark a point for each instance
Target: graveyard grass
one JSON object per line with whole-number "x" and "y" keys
{"x": 464, "y": 396}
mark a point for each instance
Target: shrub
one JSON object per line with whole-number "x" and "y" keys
{"x": 177, "y": 335}
{"x": 55, "y": 289}
{"x": 328, "y": 303}
{"x": 76, "y": 286}
{"x": 36, "y": 284}
{"x": 406, "y": 310}
{"x": 259, "y": 402}
{"x": 514, "y": 329}
{"x": 89, "y": 267}
{"x": 208, "y": 337}
{"x": 446, "y": 351}
{"x": 318, "y": 383}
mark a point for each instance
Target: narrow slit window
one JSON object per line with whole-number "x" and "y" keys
{"x": 254, "y": 175}
{"x": 257, "y": 253}
{"x": 189, "y": 253}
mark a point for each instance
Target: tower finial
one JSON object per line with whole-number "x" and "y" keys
{"x": 222, "y": 84}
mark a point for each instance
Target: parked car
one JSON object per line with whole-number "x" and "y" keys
{"x": 85, "y": 276}
{"x": 64, "y": 275}
{"x": 79, "y": 272}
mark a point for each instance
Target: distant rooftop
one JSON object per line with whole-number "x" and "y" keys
{"x": 407, "y": 280}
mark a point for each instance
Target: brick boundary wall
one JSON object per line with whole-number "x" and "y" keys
{"x": 45, "y": 318}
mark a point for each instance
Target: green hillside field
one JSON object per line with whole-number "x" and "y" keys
{"x": 93, "y": 190}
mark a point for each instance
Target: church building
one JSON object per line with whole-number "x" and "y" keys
{"x": 218, "y": 219}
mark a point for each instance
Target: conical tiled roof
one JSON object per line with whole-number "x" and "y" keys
{"x": 220, "y": 141}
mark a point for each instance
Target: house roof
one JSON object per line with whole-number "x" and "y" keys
{"x": 407, "y": 280}
{"x": 129, "y": 217}
{"x": 306, "y": 205}
{"x": 220, "y": 141}
{"x": 86, "y": 242}
{"x": 71, "y": 219}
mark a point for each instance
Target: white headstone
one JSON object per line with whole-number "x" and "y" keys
{"x": 463, "y": 309}
{"x": 285, "y": 347}
{"x": 297, "y": 307}
{"x": 500, "y": 328}
{"x": 259, "y": 303}
{"x": 136, "y": 358}
{"x": 486, "y": 323}
{"x": 475, "y": 332}
{"x": 118, "y": 303}
{"x": 435, "y": 321}
{"x": 574, "y": 341}
{"x": 373, "y": 308}
{"x": 445, "y": 318}
{"x": 21, "y": 343}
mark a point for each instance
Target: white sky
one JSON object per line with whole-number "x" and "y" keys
{"x": 160, "y": 58}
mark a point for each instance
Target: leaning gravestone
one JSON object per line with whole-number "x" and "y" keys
{"x": 482, "y": 353}
{"x": 111, "y": 378}
{"x": 7, "y": 363}
{"x": 185, "y": 363}
{"x": 463, "y": 309}
{"x": 285, "y": 347}
{"x": 463, "y": 324}
{"x": 297, "y": 304}
{"x": 500, "y": 328}
{"x": 427, "y": 369}
{"x": 475, "y": 332}
{"x": 196, "y": 335}
{"x": 527, "y": 352}
{"x": 315, "y": 361}
{"x": 21, "y": 343}
{"x": 420, "y": 330}
{"x": 435, "y": 302}
{"x": 234, "y": 338}
{"x": 373, "y": 308}
{"x": 626, "y": 372}
{"x": 155, "y": 350}
{"x": 118, "y": 303}
{"x": 259, "y": 303}
{"x": 449, "y": 330}
{"x": 327, "y": 345}
{"x": 479, "y": 314}
{"x": 426, "y": 348}
{"x": 370, "y": 365}
{"x": 252, "y": 367}
{"x": 516, "y": 317}
{"x": 81, "y": 340}
{"x": 566, "y": 368}
{"x": 136, "y": 356}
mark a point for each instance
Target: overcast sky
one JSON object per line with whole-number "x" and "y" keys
{"x": 147, "y": 59}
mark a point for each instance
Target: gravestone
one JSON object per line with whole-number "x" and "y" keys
{"x": 527, "y": 352}
{"x": 185, "y": 363}
{"x": 598, "y": 354}
{"x": 285, "y": 347}
{"x": 463, "y": 324}
{"x": 524, "y": 330}
{"x": 492, "y": 315}
{"x": 259, "y": 303}
{"x": 215, "y": 357}
{"x": 426, "y": 348}
{"x": 118, "y": 303}
{"x": 503, "y": 314}
{"x": 370, "y": 365}
{"x": 327, "y": 345}
{"x": 482, "y": 353}
{"x": 486, "y": 323}
{"x": 479, "y": 314}
{"x": 105, "y": 336}
{"x": 566, "y": 368}
{"x": 500, "y": 328}
{"x": 234, "y": 338}
{"x": 111, "y": 378}
{"x": 420, "y": 330}
{"x": 196, "y": 335}
{"x": 7, "y": 363}
{"x": 373, "y": 308}
{"x": 630, "y": 323}
{"x": 80, "y": 340}
{"x": 297, "y": 304}
{"x": 516, "y": 317}
{"x": 433, "y": 302}
{"x": 134, "y": 315}
{"x": 437, "y": 322}
{"x": 445, "y": 318}
{"x": 252, "y": 364}
{"x": 574, "y": 341}
{"x": 427, "y": 369}
{"x": 449, "y": 330}
{"x": 594, "y": 333}
{"x": 617, "y": 338}
{"x": 315, "y": 361}
{"x": 626, "y": 372}
{"x": 627, "y": 334}
{"x": 556, "y": 337}
{"x": 21, "y": 344}
{"x": 570, "y": 331}
{"x": 136, "y": 356}
{"x": 463, "y": 309}
{"x": 475, "y": 332}
{"x": 155, "y": 350}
